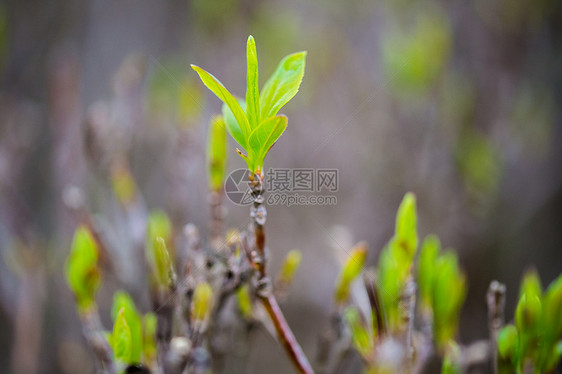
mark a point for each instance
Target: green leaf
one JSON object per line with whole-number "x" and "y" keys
{"x": 350, "y": 270}
{"x": 222, "y": 93}
{"x": 449, "y": 291}
{"x": 426, "y": 268}
{"x": 262, "y": 139}
{"x": 290, "y": 266}
{"x": 554, "y": 357}
{"x": 159, "y": 231}
{"x": 528, "y": 312}
{"x": 150, "y": 323}
{"x": 531, "y": 284}
{"x": 159, "y": 225}
{"x": 507, "y": 343}
{"x": 232, "y": 125}
{"x": 216, "y": 153}
{"x": 283, "y": 84}
{"x": 82, "y": 272}
{"x": 244, "y": 301}
{"x": 552, "y": 309}
{"x": 360, "y": 336}
{"x": 122, "y": 301}
{"x": 527, "y": 320}
{"x": 202, "y": 302}
{"x": 121, "y": 340}
{"x": 406, "y": 228}
{"x": 252, "y": 89}
{"x": 451, "y": 361}
{"x": 163, "y": 263}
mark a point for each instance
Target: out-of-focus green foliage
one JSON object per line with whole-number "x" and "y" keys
{"x": 214, "y": 17}
{"x": 159, "y": 231}
{"x": 449, "y": 292}
{"x": 430, "y": 249}
{"x": 442, "y": 288}
{"x": 537, "y": 107}
{"x": 122, "y": 301}
{"x": 162, "y": 269}
{"x": 406, "y": 235}
{"x": 536, "y": 338}
{"x": 202, "y": 302}
{"x": 257, "y": 127}
{"x": 173, "y": 98}
{"x": 451, "y": 361}
{"x": 479, "y": 163}
{"x": 149, "y": 338}
{"x": 395, "y": 262}
{"x": 290, "y": 266}
{"x": 82, "y": 272}
{"x": 351, "y": 269}
{"x": 244, "y": 301}
{"x": 508, "y": 343}
{"x": 216, "y": 153}
{"x": 531, "y": 284}
{"x": 159, "y": 225}
{"x": 362, "y": 340}
{"x": 121, "y": 340}
{"x": 124, "y": 186}
{"x": 413, "y": 59}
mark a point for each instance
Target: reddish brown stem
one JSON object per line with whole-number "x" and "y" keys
{"x": 285, "y": 335}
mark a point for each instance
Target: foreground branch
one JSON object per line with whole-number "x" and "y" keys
{"x": 258, "y": 215}
{"x": 496, "y": 302}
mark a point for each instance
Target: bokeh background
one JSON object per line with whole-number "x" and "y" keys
{"x": 457, "y": 101}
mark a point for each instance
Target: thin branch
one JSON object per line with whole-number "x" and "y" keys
{"x": 495, "y": 299}
{"x": 258, "y": 215}
{"x": 285, "y": 335}
{"x": 408, "y": 306}
{"x": 93, "y": 330}
{"x": 376, "y": 306}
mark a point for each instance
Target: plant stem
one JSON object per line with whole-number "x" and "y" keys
{"x": 258, "y": 215}
{"x": 217, "y": 216}
{"x": 496, "y": 301}
{"x": 285, "y": 335}
{"x": 93, "y": 330}
{"x": 407, "y": 305}
{"x": 369, "y": 280}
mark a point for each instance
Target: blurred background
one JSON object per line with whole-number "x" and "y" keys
{"x": 457, "y": 101}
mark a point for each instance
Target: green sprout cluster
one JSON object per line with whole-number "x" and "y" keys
{"x": 82, "y": 271}
{"x": 442, "y": 289}
{"x": 535, "y": 340}
{"x": 133, "y": 336}
{"x": 254, "y": 123}
{"x": 441, "y": 286}
{"x": 403, "y": 277}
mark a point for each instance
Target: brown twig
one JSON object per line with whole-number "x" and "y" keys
{"x": 376, "y": 305}
{"x": 496, "y": 302}
{"x": 258, "y": 215}
{"x": 285, "y": 334}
